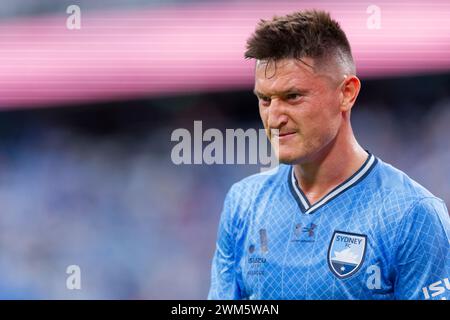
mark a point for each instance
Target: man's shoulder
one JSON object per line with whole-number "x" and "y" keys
{"x": 398, "y": 189}
{"x": 263, "y": 181}
{"x": 248, "y": 192}
{"x": 391, "y": 180}
{"x": 413, "y": 211}
{"x": 265, "y": 178}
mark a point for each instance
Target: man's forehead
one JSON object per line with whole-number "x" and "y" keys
{"x": 302, "y": 73}
{"x": 305, "y": 64}
{"x": 281, "y": 75}
{"x": 279, "y": 85}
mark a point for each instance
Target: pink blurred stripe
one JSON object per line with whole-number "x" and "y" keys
{"x": 129, "y": 54}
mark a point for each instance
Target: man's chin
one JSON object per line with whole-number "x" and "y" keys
{"x": 291, "y": 158}
{"x": 288, "y": 159}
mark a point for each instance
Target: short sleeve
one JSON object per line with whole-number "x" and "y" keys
{"x": 224, "y": 284}
{"x": 422, "y": 255}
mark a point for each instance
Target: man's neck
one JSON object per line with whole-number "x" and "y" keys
{"x": 332, "y": 166}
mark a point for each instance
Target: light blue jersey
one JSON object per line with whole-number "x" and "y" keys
{"x": 378, "y": 235}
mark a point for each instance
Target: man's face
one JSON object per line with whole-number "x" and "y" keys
{"x": 302, "y": 104}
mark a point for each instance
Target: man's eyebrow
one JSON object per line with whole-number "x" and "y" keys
{"x": 257, "y": 93}
{"x": 282, "y": 93}
{"x": 294, "y": 90}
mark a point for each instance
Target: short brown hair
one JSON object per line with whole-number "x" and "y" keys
{"x": 309, "y": 33}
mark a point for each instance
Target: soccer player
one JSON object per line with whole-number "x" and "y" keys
{"x": 333, "y": 221}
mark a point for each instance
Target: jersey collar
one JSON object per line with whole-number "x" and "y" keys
{"x": 303, "y": 202}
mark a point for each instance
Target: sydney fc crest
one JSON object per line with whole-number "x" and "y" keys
{"x": 346, "y": 253}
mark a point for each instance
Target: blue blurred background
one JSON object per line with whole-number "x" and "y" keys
{"x": 90, "y": 181}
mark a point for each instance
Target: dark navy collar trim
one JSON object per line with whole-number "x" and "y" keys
{"x": 354, "y": 179}
{"x": 303, "y": 205}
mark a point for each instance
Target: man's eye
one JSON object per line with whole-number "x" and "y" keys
{"x": 293, "y": 96}
{"x": 265, "y": 99}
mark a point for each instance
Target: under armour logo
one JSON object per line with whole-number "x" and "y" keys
{"x": 310, "y": 229}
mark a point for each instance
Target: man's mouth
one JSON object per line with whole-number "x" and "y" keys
{"x": 284, "y": 135}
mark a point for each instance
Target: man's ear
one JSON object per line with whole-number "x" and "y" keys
{"x": 349, "y": 92}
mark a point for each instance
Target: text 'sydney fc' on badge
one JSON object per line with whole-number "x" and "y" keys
{"x": 346, "y": 253}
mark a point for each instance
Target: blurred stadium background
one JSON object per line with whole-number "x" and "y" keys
{"x": 86, "y": 118}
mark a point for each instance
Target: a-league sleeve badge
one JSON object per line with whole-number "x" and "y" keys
{"x": 346, "y": 253}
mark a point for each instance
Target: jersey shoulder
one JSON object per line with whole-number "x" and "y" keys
{"x": 271, "y": 180}
{"x": 248, "y": 191}
{"x": 266, "y": 178}
{"x": 400, "y": 196}
{"x": 394, "y": 183}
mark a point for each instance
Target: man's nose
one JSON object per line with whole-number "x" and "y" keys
{"x": 277, "y": 114}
